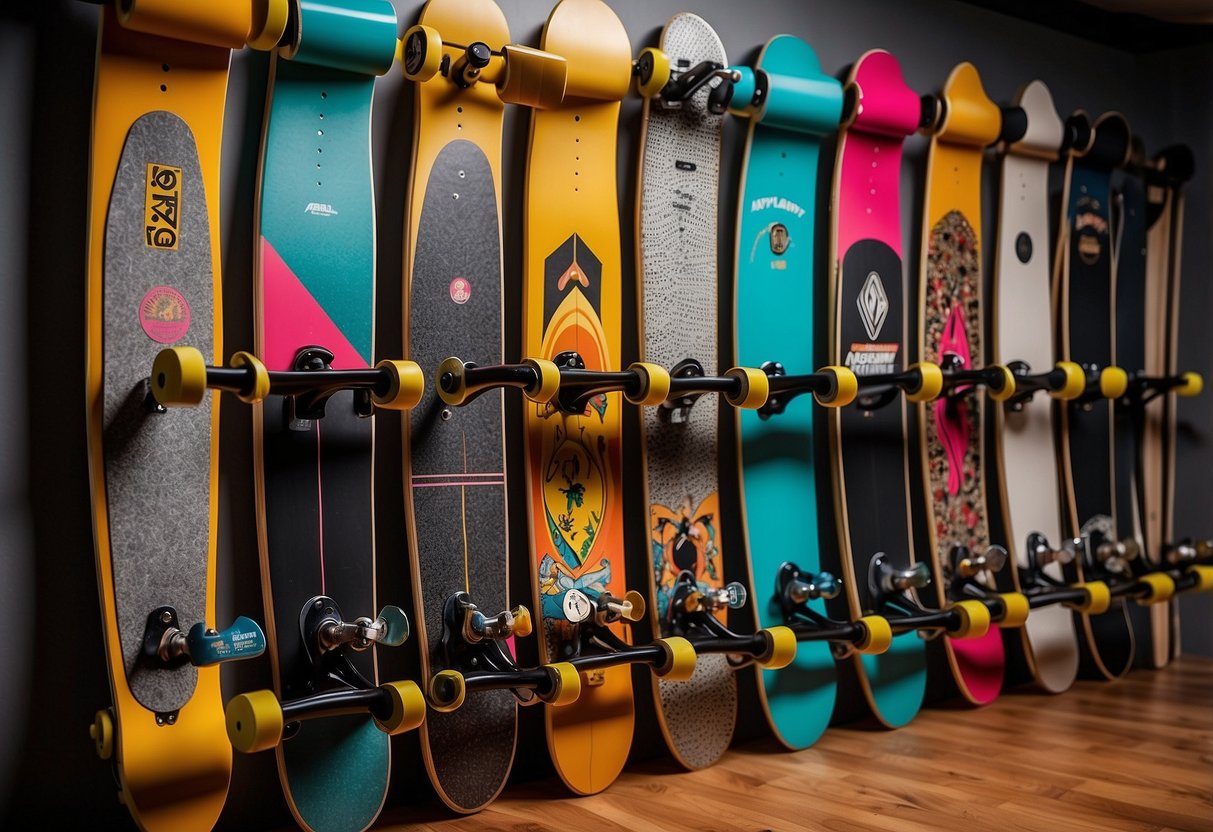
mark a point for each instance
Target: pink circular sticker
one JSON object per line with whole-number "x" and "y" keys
{"x": 461, "y": 290}
{"x": 164, "y": 315}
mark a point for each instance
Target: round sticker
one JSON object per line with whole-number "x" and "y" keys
{"x": 461, "y": 290}
{"x": 164, "y": 315}
{"x": 577, "y": 606}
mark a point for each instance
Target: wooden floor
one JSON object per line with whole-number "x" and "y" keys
{"x": 1136, "y": 754}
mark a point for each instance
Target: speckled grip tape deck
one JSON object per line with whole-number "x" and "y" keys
{"x": 316, "y": 287}
{"x": 952, "y": 328}
{"x": 573, "y": 301}
{"x": 867, "y": 334}
{"x": 677, "y": 268}
{"x": 1084, "y": 284}
{"x": 153, "y": 281}
{"x": 456, "y": 503}
{"x": 774, "y": 315}
{"x": 1026, "y": 462}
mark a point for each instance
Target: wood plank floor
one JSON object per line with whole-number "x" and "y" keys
{"x": 1133, "y": 755}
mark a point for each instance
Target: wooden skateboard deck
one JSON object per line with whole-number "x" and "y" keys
{"x": 455, "y": 469}
{"x": 1026, "y": 460}
{"x": 315, "y": 287}
{"x": 952, "y": 326}
{"x": 154, "y": 280}
{"x": 1083, "y": 283}
{"x": 773, "y": 312}
{"x": 868, "y": 335}
{"x": 572, "y": 301}
{"x": 679, "y": 181}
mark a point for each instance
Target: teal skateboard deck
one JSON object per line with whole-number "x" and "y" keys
{"x": 316, "y": 288}
{"x": 791, "y": 105}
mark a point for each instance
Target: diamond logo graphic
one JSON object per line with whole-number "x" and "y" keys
{"x": 873, "y": 305}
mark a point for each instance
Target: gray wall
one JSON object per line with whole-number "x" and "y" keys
{"x": 53, "y": 676}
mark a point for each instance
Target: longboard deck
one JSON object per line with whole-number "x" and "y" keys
{"x": 573, "y": 301}
{"x": 679, "y": 181}
{"x": 1084, "y": 286}
{"x": 868, "y": 335}
{"x": 455, "y": 456}
{"x": 773, "y": 308}
{"x": 315, "y": 286}
{"x": 153, "y": 281}
{"x": 1026, "y": 460}
{"x": 951, "y": 324}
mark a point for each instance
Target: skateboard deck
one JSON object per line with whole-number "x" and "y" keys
{"x": 951, "y": 329}
{"x": 679, "y": 181}
{"x": 154, "y": 280}
{"x": 315, "y": 284}
{"x": 1083, "y": 281}
{"x": 572, "y": 301}
{"x": 1023, "y": 432}
{"x": 868, "y": 335}
{"x": 455, "y": 456}
{"x": 776, "y": 199}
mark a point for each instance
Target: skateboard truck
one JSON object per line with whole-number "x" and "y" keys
{"x": 1143, "y": 388}
{"x": 1189, "y": 565}
{"x": 794, "y": 589}
{"x": 1043, "y": 590}
{"x": 1064, "y": 382}
{"x": 921, "y": 382}
{"x": 964, "y": 571}
{"x": 167, "y": 644}
{"x": 181, "y": 377}
{"x": 890, "y": 588}
{"x": 594, "y": 646}
{"x": 741, "y": 387}
{"x": 830, "y": 386}
{"x": 1100, "y": 383}
{"x": 656, "y": 79}
{"x": 959, "y": 380}
{"x": 1119, "y": 564}
{"x": 459, "y": 382}
{"x": 522, "y": 75}
{"x": 325, "y": 683}
{"x": 641, "y": 383}
{"x": 693, "y": 614}
{"x": 475, "y": 658}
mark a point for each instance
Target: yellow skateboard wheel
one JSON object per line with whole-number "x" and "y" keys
{"x": 549, "y": 380}
{"x": 452, "y": 367}
{"x": 408, "y": 708}
{"x": 1192, "y": 385}
{"x": 447, "y": 691}
{"x": 974, "y": 619}
{"x": 680, "y": 659}
{"x": 1007, "y": 390}
{"x": 1204, "y": 577}
{"x": 1075, "y": 383}
{"x": 781, "y": 648}
{"x": 755, "y": 388}
{"x": 261, "y": 377}
{"x": 269, "y": 23}
{"x": 406, "y": 387}
{"x": 878, "y": 635}
{"x": 1015, "y": 609}
{"x": 522, "y": 622}
{"x": 179, "y": 377}
{"x": 846, "y": 387}
{"x": 653, "y": 72}
{"x": 422, "y": 53}
{"x": 930, "y": 382}
{"x": 1099, "y": 598}
{"x": 566, "y": 687}
{"x": 635, "y": 605}
{"x": 102, "y": 732}
{"x": 254, "y": 721}
{"x": 654, "y": 384}
{"x": 1162, "y": 589}
{"x": 1113, "y": 382}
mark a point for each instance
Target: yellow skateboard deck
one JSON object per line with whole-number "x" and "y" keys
{"x": 167, "y": 62}
{"x": 572, "y": 301}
